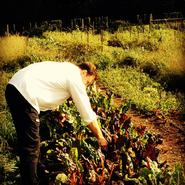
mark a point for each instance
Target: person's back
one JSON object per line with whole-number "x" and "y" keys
{"x": 45, "y": 84}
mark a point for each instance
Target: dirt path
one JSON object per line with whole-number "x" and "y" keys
{"x": 172, "y": 130}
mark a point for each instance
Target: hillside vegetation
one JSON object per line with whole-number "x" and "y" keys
{"x": 142, "y": 65}
{"x": 147, "y": 63}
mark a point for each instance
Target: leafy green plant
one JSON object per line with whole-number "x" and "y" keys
{"x": 9, "y": 173}
{"x": 7, "y": 134}
{"x": 70, "y": 154}
{"x": 131, "y": 156}
{"x": 177, "y": 176}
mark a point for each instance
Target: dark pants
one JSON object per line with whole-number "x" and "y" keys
{"x": 26, "y": 121}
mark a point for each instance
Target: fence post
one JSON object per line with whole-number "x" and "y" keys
{"x": 14, "y": 29}
{"x": 82, "y": 20}
{"x": 71, "y": 23}
{"x": 151, "y": 18}
{"x": 150, "y": 22}
{"x": 93, "y": 26}
{"x": 30, "y": 25}
{"x": 107, "y": 23}
{"x": 35, "y": 26}
{"x": 61, "y": 25}
{"x": 89, "y": 23}
{"x": 7, "y": 29}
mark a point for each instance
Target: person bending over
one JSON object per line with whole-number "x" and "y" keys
{"x": 44, "y": 86}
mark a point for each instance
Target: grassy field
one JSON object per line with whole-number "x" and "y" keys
{"x": 144, "y": 67}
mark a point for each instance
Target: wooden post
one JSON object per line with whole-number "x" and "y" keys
{"x": 60, "y": 25}
{"x": 30, "y": 25}
{"x": 107, "y": 23}
{"x": 14, "y": 29}
{"x": 150, "y": 22}
{"x": 75, "y": 23}
{"x": 82, "y": 20}
{"x": 89, "y": 22}
{"x": 71, "y": 23}
{"x": 93, "y": 26}
{"x": 151, "y": 18}
{"x": 7, "y": 29}
{"x": 35, "y": 26}
{"x": 138, "y": 18}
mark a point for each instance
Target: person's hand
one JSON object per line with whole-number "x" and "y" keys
{"x": 95, "y": 129}
{"x": 103, "y": 143}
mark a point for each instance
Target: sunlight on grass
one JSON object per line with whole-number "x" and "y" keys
{"x": 144, "y": 93}
{"x": 9, "y": 165}
{"x": 134, "y": 62}
{"x": 12, "y": 47}
{"x": 156, "y": 52}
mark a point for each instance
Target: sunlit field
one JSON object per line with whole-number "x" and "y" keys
{"x": 142, "y": 66}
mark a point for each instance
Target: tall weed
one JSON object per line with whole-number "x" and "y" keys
{"x": 12, "y": 48}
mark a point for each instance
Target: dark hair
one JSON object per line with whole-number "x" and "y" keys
{"x": 89, "y": 67}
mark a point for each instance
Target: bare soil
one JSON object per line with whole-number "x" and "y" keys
{"x": 172, "y": 131}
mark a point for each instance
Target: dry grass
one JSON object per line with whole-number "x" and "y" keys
{"x": 12, "y": 47}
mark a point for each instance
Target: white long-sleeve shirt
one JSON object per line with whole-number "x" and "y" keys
{"x": 48, "y": 84}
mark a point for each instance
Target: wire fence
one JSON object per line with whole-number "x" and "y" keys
{"x": 97, "y": 24}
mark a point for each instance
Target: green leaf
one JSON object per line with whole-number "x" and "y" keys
{"x": 61, "y": 178}
{"x": 74, "y": 153}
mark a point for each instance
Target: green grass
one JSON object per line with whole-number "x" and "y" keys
{"x": 9, "y": 172}
{"x": 7, "y": 131}
{"x": 138, "y": 63}
{"x": 145, "y": 94}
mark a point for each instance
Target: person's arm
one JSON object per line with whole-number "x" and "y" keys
{"x": 95, "y": 129}
{"x": 79, "y": 95}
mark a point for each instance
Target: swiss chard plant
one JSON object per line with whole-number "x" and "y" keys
{"x": 70, "y": 154}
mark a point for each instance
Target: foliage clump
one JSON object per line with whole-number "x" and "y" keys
{"x": 71, "y": 154}
{"x": 134, "y": 62}
{"x": 145, "y": 94}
